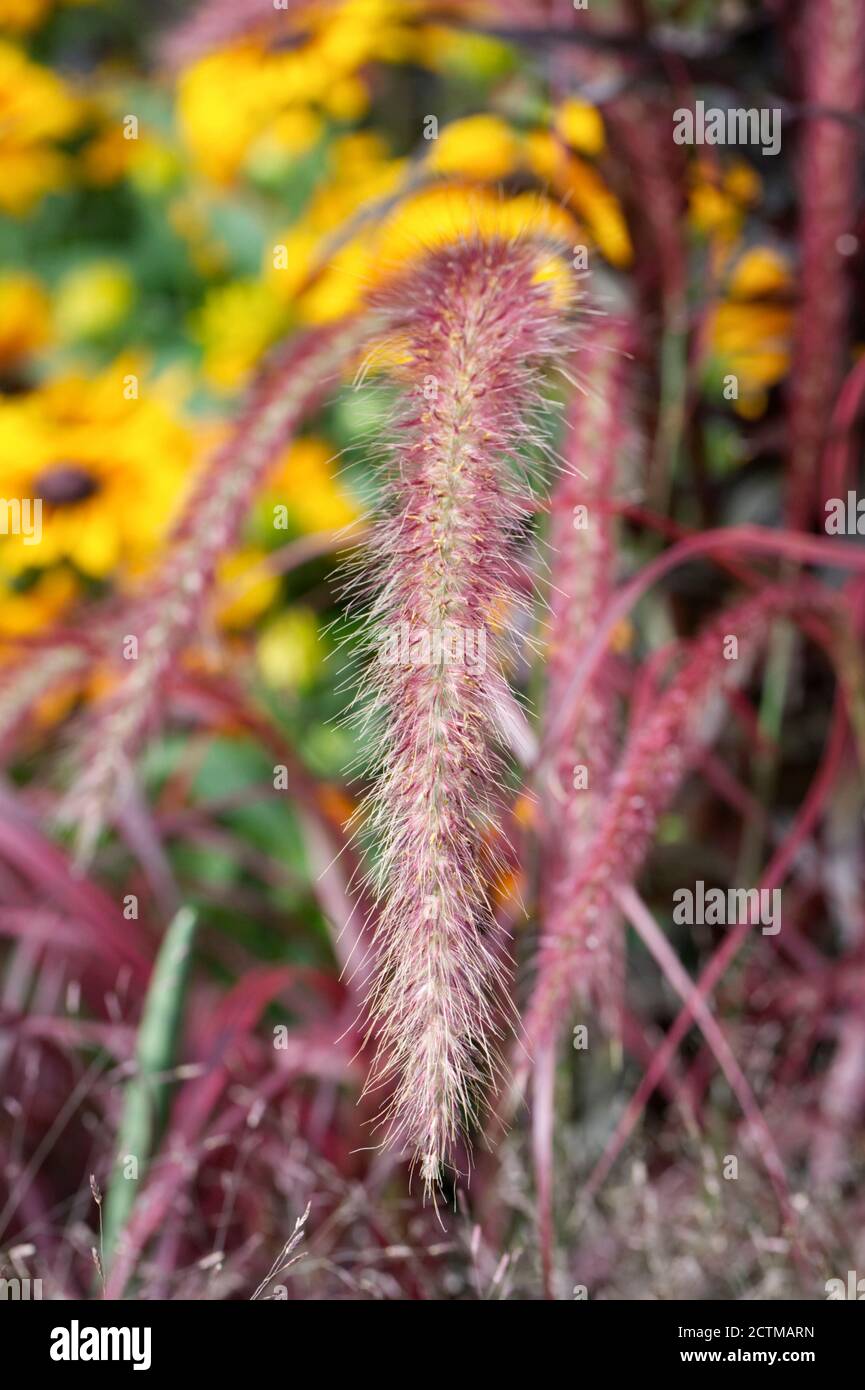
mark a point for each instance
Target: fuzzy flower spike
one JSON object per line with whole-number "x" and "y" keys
{"x": 479, "y": 319}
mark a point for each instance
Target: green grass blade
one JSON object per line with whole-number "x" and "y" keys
{"x": 147, "y": 1090}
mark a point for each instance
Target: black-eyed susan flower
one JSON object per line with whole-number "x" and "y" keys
{"x": 108, "y": 459}
{"x": 25, "y": 318}
{"x": 432, "y": 217}
{"x": 35, "y": 605}
{"x": 22, "y": 16}
{"x": 720, "y": 196}
{"x": 37, "y": 110}
{"x": 322, "y": 73}
{"x": 478, "y": 147}
{"x": 750, "y": 330}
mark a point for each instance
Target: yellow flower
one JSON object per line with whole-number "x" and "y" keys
{"x": 580, "y": 126}
{"x": 323, "y": 73}
{"x": 235, "y": 325}
{"x": 719, "y": 199}
{"x": 417, "y": 224}
{"x": 359, "y": 155}
{"x": 436, "y": 217}
{"x": 217, "y": 131}
{"x": 357, "y": 230}
{"x": 106, "y": 157}
{"x": 91, "y": 299}
{"x": 347, "y": 99}
{"x": 244, "y": 588}
{"x": 20, "y": 16}
{"x": 711, "y": 210}
{"x": 25, "y": 318}
{"x": 304, "y": 481}
{"x": 289, "y": 650}
{"x": 750, "y": 331}
{"x": 584, "y": 191}
{"x": 291, "y": 260}
{"x": 340, "y": 286}
{"x": 742, "y": 182}
{"x": 36, "y": 109}
{"x": 478, "y": 147}
{"x": 36, "y": 608}
{"x": 108, "y": 460}
{"x": 761, "y": 272}
{"x": 421, "y": 223}
{"x": 291, "y": 135}
{"x": 358, "y": 173}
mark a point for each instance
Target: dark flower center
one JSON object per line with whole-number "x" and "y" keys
{"x": 65, "y": 484}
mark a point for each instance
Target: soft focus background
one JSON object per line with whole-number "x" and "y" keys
{"x": 181, "y": 186}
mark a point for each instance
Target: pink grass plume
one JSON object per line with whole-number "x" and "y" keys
{"x": 479, "y": 324}
{"x": 170, "y": 613}
{"x": 833, "y": 41}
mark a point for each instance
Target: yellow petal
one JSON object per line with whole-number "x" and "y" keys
{"x": 761, "y": 272}
{"x": 581, "y": 126}
{"x": 479, "y": 147}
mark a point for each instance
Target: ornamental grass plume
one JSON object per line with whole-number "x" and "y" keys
{"x": 42, "y": 672}
{"x": 170, "y": 613}
{"x": 575, "y": 778}
{"x": 600, "y": 440}
{"x": 640, "y": 128}
{"x": 833, "y": 41}
{"x": 480, "y": 322}
{"x": 660, "y": 751}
